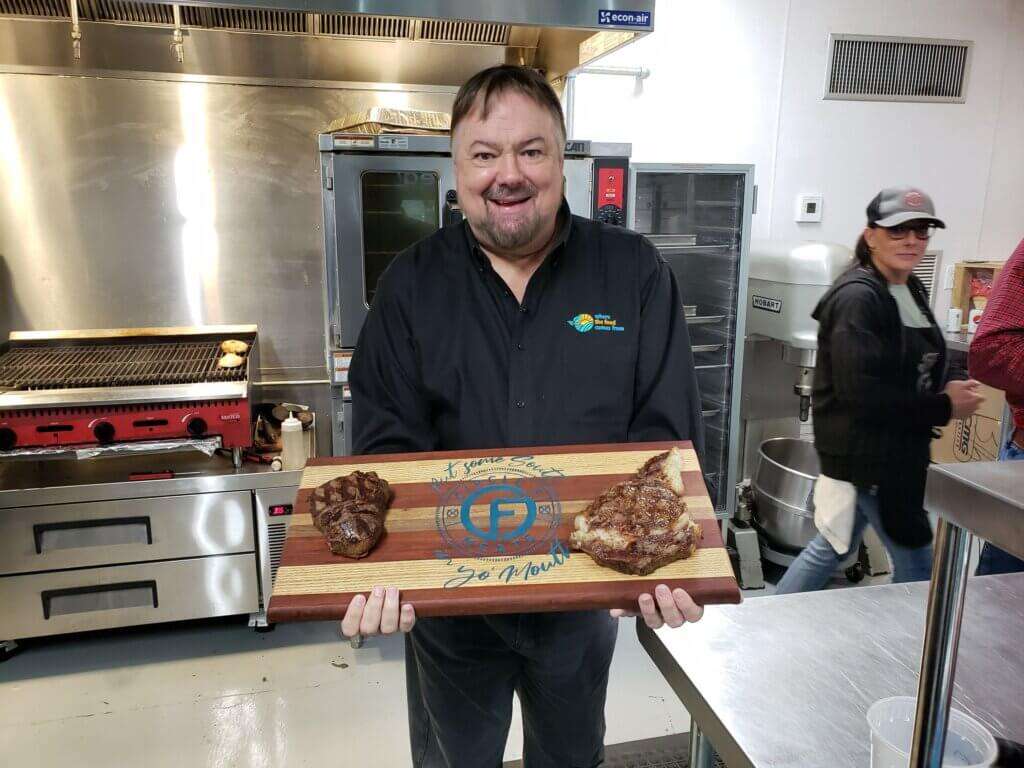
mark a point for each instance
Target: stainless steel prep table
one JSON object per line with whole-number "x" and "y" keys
{"x": 786, "y": 681}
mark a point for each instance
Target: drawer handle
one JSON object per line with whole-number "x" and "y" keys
{"x": 128, "y": 594}
{"x": 140, "y": 537}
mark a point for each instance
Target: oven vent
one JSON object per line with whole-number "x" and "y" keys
{"x": 355, "y": 25}
{"x": 127, "y": 12}
{"x": 871, "y": 68}
{"x": 464, "y": 32}
{"x": 244, "y": 20}
{"x": 45, "y": 9}
{"x": 278, "y": 532}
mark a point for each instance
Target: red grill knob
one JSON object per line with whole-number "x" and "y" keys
{"x": 7, "y": 439}
{"x": 197, "y": 427}
{"x": 104, "y": 432}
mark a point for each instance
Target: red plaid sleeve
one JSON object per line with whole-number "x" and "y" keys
{"x": 997, "y": 352}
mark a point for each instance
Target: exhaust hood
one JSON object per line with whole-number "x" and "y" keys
{"x": 437, "y": 42}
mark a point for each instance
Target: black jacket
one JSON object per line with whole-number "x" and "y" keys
{"x": 872, "y": 427}
{"x": 598, "y": 352}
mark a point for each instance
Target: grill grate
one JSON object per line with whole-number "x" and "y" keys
{"x": 114, "y": 365}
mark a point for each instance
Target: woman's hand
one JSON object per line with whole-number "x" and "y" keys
{"x": 668, "y": 606}
{"x": 964, "y": 398}
{"x": 380, "y": 614}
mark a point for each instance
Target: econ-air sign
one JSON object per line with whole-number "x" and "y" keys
{"x": 624, "y": 18}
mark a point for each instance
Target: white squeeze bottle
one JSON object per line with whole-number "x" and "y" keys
{"x": 293, "y": 448}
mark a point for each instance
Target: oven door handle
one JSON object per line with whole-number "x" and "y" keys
{"x": 41, "y": 529}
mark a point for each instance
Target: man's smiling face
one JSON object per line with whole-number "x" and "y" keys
{"x": 508, "y": 173}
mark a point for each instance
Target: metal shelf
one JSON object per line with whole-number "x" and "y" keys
{"x": 705, "y": 319}
{"x": 707, "y": 347}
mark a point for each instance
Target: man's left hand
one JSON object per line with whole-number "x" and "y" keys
{"x": 673, "y": 607}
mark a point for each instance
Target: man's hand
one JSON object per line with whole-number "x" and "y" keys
{"x": 673, "y": 607}
{"x": 380, "y": 614}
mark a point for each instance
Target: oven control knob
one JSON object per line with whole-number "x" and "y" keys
{"x": 197, "y": 426}
{"x": 104, "y": 432}
{"x": 7, "y": 439}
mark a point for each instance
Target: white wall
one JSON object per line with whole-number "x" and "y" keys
{"x": 742, "y": 81}
{"x": 1003, "y": 226}
{"x": 713, "y": 93}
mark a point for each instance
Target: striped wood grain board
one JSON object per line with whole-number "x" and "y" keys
{"x": 441, "y": 575}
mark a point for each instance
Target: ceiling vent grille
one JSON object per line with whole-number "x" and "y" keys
{"x": 864, "y": 68}
{"x": 464, "y": 32}
{"x": 128, "y": 12}
{"x": 244, "y": 19}
{"x": 46, "y": 9}
{"x": 353, "y": 25}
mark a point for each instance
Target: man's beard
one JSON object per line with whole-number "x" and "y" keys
{"x": 523, "y": 229}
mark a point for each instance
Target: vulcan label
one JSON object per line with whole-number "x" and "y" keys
{"x": 768, "y": 305}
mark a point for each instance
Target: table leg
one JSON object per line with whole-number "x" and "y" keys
{"x": 941, "y": 636}
{"x": 702, "y": 754}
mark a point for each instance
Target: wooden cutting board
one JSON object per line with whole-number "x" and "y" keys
{"x": 479, "y": 532}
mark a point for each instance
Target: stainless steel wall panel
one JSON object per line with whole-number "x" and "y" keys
{"x": 144, "y": 203}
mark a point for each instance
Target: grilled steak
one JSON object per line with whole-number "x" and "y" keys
{"x": 352, "y": 528}
{"x": 350, "y": 510}
{"x": 641, "y": 524}
{"x": 667, "y": 469}
{"x": 355, "y": 486}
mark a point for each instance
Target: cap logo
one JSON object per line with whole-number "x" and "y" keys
{"x": 913, "y": 199}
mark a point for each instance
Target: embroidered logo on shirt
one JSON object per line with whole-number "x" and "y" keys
{"x": 584, "y": 323}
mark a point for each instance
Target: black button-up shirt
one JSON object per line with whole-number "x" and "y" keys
{"x": 598, "y": 351}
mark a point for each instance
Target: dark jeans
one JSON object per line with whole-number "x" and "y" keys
{"x": 993, "y": 559}
{"x": 461, "y": 673}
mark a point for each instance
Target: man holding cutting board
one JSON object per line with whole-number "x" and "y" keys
{"x": 483, "y": 336}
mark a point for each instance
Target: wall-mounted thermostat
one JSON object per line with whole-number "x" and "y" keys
{"x": 808, "y": 207}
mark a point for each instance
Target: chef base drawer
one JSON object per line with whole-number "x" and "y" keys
{"x": 102, "y": 533}
{"x": 122, "y": 596}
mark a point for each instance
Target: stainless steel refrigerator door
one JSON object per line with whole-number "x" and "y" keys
{"x": 698, "y": 216}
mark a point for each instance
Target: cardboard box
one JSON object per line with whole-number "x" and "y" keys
{"x": 976, "y": 438}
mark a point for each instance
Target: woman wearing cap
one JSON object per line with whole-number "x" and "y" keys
{"x": 880, "y": 387}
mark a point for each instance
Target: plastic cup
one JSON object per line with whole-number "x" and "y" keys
{"x": 968, "y": 743}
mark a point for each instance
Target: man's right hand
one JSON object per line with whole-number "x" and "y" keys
{"x": 964, "y": 397}
{"x": 380, "y": 614}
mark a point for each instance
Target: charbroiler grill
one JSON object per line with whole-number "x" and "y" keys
{"x": 105, "y": 387}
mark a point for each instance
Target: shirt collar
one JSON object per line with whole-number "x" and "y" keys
{"x": 563, "y": 229}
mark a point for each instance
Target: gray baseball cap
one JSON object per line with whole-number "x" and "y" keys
{"x": 898, "y": 205}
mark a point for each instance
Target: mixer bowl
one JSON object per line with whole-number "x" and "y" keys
{"x": 783, "y": 486}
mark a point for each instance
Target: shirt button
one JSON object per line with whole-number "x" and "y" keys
{"x": 519, "y": 347}
{"x": 520, "y": 404}
{"x": 523, "y": 310}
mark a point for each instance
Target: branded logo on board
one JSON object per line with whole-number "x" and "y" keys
{"x": 585, "y": 322}
{"x": 502, "y": 513}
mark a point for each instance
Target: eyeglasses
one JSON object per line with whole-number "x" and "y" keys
{"x": 921, "y": 231}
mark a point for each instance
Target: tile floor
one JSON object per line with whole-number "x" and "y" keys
{"x": 218, "y": 694}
